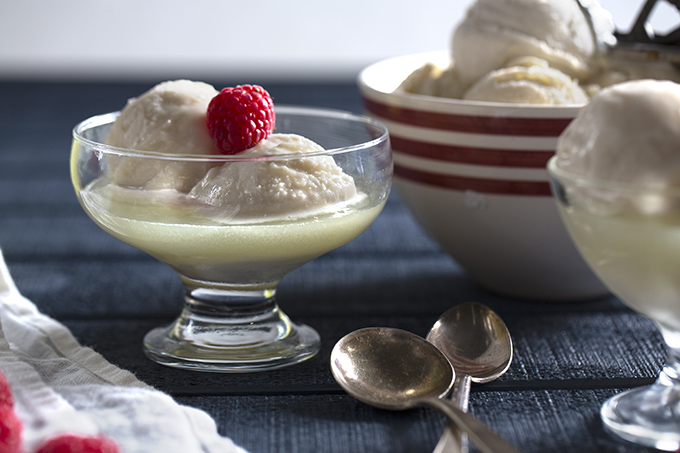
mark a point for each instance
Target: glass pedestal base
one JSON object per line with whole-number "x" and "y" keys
{"x": 231, "y": 332}
{"x": 647, "y": 416}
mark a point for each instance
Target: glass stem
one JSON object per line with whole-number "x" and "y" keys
{"x": 229, "y": 303}
{"x": 231, "y": 330}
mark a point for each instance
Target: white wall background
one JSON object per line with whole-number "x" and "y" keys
{"x": 161, "y": 39}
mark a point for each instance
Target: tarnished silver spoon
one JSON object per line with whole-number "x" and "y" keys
{"x": 478, "y": 344}
{"x": 396, "y": 370}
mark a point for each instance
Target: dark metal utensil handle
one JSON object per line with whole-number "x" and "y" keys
{"x": 642, "y": 34}
{"x": 643, "y": 43}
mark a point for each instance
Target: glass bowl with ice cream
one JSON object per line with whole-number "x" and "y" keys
{"x": 473, "y": 127}
{"x": 616, "y": 177}
{"x": 231, "y": 222}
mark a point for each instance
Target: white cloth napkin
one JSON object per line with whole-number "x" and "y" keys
{"x": 61, "y": 386}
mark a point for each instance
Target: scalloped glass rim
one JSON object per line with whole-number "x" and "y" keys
{"x": 107, "y": 118}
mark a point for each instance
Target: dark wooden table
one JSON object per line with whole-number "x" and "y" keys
{"x": 569, "y": 357}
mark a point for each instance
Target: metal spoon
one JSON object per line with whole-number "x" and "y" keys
{"x": 396, "y": 370}
{"x": 478, "y": 344}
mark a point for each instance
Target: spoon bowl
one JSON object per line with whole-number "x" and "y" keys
{"x": 475, "y": 340}
{"x": 394, "y": 369}
{"x": 390, "y": 368}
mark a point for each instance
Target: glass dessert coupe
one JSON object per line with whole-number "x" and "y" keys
{"x": 232, "y": 255}
{"x": 630, "y": 236}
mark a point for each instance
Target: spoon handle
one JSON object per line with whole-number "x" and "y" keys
{"x": 460, "y": 396}
{"x": 484, "y": 439}
{"x": 453, "y": 440}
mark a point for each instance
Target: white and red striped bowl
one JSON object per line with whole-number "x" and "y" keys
{"x": 473, "y": 174}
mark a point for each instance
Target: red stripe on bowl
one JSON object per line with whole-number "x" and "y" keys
{"x": 528, "y": 127}
{"x": 462, "y": 183}
{"x": 472, "y": 155}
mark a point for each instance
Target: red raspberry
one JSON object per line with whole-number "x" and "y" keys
{"x": 6, "y": 398}
{"x": 76, "y": 443}
{"x": 238, "y": 118}
{"x": 10, "y": 431}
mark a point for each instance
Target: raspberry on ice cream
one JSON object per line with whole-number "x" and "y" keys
{"x": 239, "y": 118}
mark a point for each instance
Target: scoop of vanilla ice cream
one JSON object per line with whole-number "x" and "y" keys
{"x": 275, "y": 187}
{"x": 432, "y": 79}
{"x": 170, "y": 118}
{"x": 627, "y": 133}
{"x": 497, "y": 31}
{"x": 527, "y": 81}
